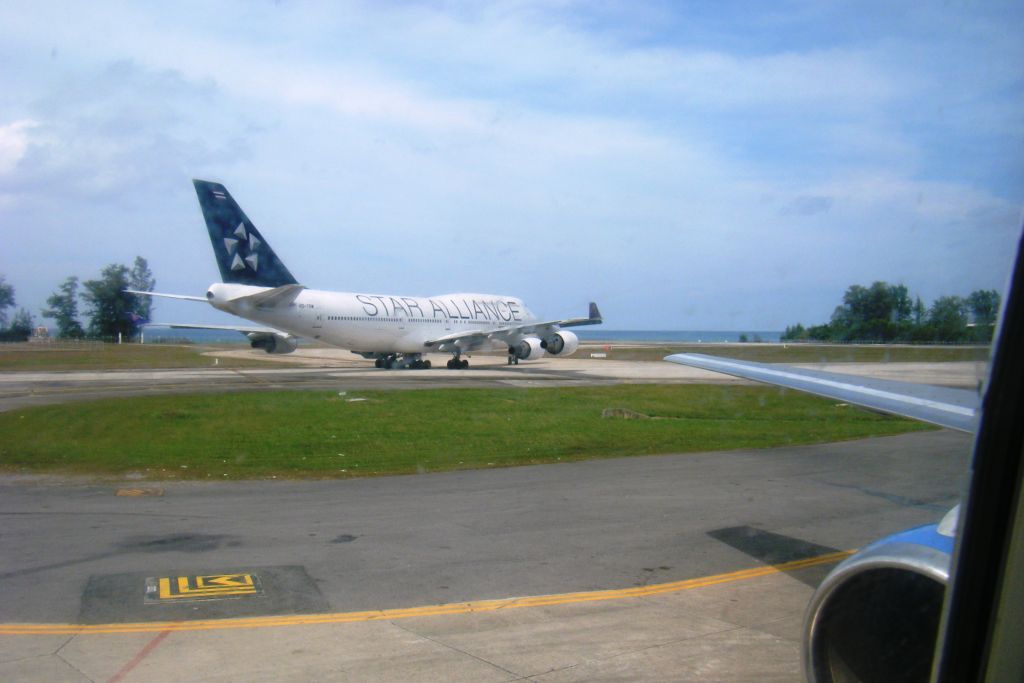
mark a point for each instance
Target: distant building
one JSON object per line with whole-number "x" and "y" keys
{"x": 40, "y": 335}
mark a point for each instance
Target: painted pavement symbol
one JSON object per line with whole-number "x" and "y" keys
{"x": 208, "y": 587}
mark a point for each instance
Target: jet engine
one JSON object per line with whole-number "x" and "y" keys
{"x": 530, "y": 348}
{"x": 561, "y": 343}
{"x": 875, "y": 617}
{"x": 273, "y": 343}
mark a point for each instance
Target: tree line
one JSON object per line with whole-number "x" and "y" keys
{"x": 110, "y": 311}
{"x": 886, "y": 313}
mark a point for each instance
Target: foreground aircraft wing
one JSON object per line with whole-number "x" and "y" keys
{"x": 472, "y": 339}
{"x": 953, "y": 408}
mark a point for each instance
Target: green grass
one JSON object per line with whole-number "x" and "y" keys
{"x": 100, "y": 356}
{"x": 803, "y": 353}
{"x": 294, "y": 434}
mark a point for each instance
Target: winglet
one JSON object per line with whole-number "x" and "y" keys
{"x": 595, "y": 314}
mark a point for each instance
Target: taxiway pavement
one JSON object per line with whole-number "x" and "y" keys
{"x": 413, "y": 541}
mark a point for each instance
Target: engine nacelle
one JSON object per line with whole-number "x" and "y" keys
{"x": 875, "y": 617}
{"x": 561, "y": 343}
{"x": 272, "y": 343}
{"x": 530, "y": 348}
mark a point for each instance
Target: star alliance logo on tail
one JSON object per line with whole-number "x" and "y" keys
{"x": 243, "y": 249}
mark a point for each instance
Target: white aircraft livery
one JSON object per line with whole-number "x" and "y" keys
{"x": 393, "y": 330}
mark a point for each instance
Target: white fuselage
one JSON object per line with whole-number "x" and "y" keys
{"x": 377, "y": 323}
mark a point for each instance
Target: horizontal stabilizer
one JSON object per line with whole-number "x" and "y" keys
{"x": 166, "y": 296}
{"x": 271, "y": 298}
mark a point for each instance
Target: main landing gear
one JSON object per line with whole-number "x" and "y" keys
{"x": 458, "y": 363}
{"x": 397, "y": 361}
{"x": 513, "y": 359}
{"x": 414, "y": 361}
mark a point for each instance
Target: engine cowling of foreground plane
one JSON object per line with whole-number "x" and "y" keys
{"x": 561, "y": 343}
{"x": 529, "y": 348}
{"x": 272, "y": 343}
{"x": 875, "y": 617}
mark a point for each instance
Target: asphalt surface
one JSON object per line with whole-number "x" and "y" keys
{"x": 79, "y": 552}
{"x": 415, "y": 540}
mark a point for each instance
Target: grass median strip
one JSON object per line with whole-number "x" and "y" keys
{"x": 67, "y": 356}
{"x": 324, "y": 434}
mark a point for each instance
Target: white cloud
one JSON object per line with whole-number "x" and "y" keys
{"x": 14, "y": 142}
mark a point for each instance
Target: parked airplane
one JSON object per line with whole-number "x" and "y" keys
{"x": 393, "y": 330}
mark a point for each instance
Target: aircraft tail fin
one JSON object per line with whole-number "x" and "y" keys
{"x": 243, "y": 256}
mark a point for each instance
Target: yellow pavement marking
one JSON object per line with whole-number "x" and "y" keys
{"x": 427, "y": 611}
{"x": 224, "y": 581}
{"x": 205, "y": 586}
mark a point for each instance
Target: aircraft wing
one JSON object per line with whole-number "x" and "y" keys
{"x": 594, "y": 318}
{"x": 469, "y": 340}
{"x": 952, "y": 408}
{"x": 474, "y": 339}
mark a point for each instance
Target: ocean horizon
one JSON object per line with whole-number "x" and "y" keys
{"x": 688, "y": 336}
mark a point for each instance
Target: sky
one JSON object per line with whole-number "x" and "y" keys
{"x": 687, "y": 165}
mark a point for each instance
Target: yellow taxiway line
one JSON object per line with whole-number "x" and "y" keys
{"x": 427, "y": 611}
